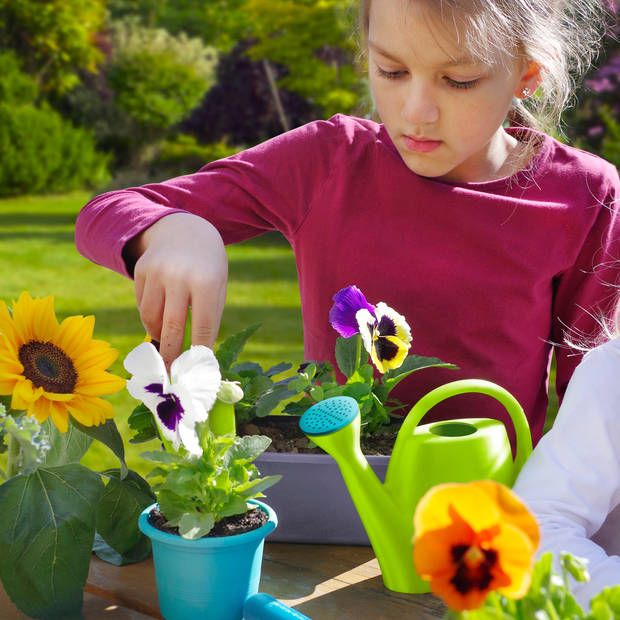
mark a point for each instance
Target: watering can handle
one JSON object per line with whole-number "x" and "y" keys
{"x": 476, "y": 386}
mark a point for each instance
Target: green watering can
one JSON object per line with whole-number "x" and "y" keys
{"x": 423, "y": 456}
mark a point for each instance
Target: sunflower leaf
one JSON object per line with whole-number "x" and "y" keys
{"x": 119, "y": 507}
{"x": 67, "y": 447}
{"x": 109, "y": 436}
{"x": 46, "y": 538}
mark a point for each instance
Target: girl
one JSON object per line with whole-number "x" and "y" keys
{"x": 489, "y": 240}
{"x": 572, "y": 480}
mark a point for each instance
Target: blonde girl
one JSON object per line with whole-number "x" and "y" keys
{"x": 489, "y": 236}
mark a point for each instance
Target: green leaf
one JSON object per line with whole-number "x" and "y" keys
{"x": 356, "y": 390}
{"x": 160, "y": 456}
{"x": 230, "y": 349}
{"x": 255, "y": 487}
{"x": 119, "y": 507}
{"x": 195, "y": 525}
{"x": 46, "y": 538}
{"x": 136, "y": 554}
{"x": 278, "y": 368}
{"x": 67, "y": 447}
{"x": 346, "y": 354}
{"x": 269, "y": 401}
{"x": 109, "y": 436}
{"x": 141, "y": 420}
{"x": 410, "y": 364}
{"x": 298, "y": 407}
{"x": 248, "y": 447}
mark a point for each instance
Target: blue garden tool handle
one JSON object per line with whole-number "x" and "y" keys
{"x": 261, "y": 606}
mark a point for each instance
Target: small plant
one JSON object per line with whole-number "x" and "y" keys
{"x": 386, "y": 339}
{"x": 52, "y": 377}
{"x": 205, "y": 471}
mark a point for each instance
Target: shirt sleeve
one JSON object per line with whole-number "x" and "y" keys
{"x": 572, "y": 480}
{"x": 586, "y": 293}
{"x": 268, "y": 187}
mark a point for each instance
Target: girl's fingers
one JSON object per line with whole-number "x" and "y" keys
{"x": 151, "y": 297}
{"x": 173, "y": 324}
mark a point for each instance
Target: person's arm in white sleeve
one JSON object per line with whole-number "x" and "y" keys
{"x": 572, "y": 480}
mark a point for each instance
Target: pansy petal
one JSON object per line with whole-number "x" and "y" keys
{"x": 391, "y": 323}
{"x": 388, "y": 352}
{"x": 467, "y": 499}
{"x": 189, "y": 439}
{"x": 144, "y": 362}
{"x": 138, "y": 390}
{"x": 342, "y": 316}
{"x": 365, "y": 326}
{"x": 197, "y": 371}
{"x": 515, "y": 559}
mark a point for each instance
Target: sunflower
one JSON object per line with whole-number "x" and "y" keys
{"x": 472, "y": 538}
{"x": 53, "y": 369}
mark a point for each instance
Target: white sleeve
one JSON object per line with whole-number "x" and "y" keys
{"x": 572, "y": 480}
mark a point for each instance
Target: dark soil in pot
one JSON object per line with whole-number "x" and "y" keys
{"x": 287, "y": 437}
{"x": 228, "y": 526}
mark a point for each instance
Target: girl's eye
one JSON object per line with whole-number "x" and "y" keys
{"x": 466, "y": 84}
{"x": 390, "y": 75}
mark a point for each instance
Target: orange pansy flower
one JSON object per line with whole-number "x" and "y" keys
{"x": 472, "y": 538}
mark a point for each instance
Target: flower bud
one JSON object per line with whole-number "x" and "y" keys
{"x": 230, "y": 392}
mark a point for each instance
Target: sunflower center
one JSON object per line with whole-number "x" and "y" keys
{"x": 473, "y": 567}
{"x": 48, "y": 367}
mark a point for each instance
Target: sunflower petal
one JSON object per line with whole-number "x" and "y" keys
{"x": 96, "y": 383}
{"x": 75, "y": 335}
{"x": 59, "y": 416}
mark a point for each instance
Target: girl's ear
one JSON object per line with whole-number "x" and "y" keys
{"x": 529, "y": 82}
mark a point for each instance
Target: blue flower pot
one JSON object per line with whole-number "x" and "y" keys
{"x": 209, "y": 577}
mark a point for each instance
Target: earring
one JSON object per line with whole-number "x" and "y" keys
{"x": 526, "y": 92}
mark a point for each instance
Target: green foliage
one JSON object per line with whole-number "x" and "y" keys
{"x": 32, "y": 440}
{"x": 121, "y": 503}
{"x": 158, "y": 78}
{"x": 610, "y": 147}
{"x": 182, "y": 155}
{"x": 318, "y": 381}
{"x": 56, "y": 39}
{"x": 39, "y": 152}
{"x": 16, "y": 87}
{"x": 314, "y": 40}
{"x": 196, "y": 492}
{"x": 549, "y": 597}
{"x": 46, "y": 536}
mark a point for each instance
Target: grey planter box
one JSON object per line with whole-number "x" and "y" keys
{"x": 312, "y": 501}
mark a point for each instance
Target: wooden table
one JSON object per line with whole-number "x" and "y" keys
{"x": 324, "y": 582}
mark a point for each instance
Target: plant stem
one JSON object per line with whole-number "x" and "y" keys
{"x": 358, "y": 351}
{"x": 3, "y": 474}
{"x": 12, "y": 468}
{"x": 550, "y": 609}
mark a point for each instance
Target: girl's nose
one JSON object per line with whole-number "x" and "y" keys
{"x": 420, "y": 107}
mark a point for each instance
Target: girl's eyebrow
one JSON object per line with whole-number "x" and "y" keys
{"x": 462, "y": 61}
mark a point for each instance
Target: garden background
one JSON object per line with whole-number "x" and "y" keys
{"x": 100, "y": 94}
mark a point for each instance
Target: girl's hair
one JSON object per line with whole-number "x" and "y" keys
{"x": 561, "y": 36}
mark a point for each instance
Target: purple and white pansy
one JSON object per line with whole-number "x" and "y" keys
{"x": 385, "y": 333}
{"x": 183, "y": 400}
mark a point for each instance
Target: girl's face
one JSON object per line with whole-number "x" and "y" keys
{"x": 443, "y": 110}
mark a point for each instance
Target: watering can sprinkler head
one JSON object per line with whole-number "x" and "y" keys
{"x": 334, "y": 425}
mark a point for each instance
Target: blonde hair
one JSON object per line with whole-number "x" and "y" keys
{"x": 563, "y": 37}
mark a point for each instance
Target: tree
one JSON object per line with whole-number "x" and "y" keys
{"x": 54, "y": 39}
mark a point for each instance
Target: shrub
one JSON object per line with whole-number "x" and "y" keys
{"x": 39, "y": 152}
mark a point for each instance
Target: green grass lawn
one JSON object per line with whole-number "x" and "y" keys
{"x": 37, "y": 254}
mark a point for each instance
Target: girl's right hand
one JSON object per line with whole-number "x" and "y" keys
{"x": 181, "y": 262}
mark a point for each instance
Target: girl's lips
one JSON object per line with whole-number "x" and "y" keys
{"x": 421, "y": 145}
